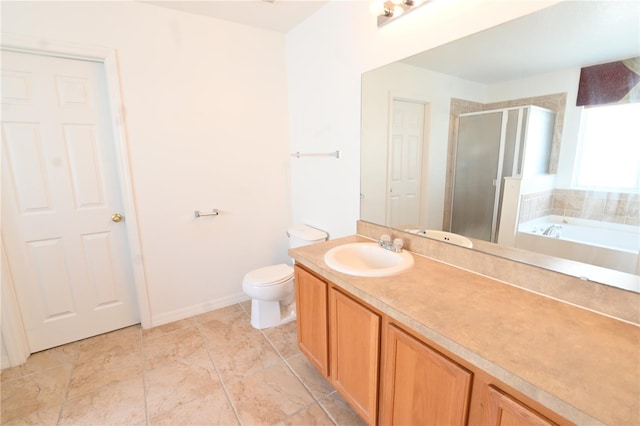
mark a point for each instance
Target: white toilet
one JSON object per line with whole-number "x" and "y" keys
{"x": 271, "y": 288}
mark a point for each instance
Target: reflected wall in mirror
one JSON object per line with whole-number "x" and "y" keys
{"x": 483, "y": 137}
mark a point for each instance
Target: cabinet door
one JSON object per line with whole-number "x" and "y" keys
{"x": 502, "y": 410}
{"x": 422, "y": 386}
{"x": 355, "y": 349}
{"x": 311, "y": 307}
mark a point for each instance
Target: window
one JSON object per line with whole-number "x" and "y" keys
{"x": 609, "y": 152}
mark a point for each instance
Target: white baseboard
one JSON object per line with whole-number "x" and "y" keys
{"x": 198, "y": 309}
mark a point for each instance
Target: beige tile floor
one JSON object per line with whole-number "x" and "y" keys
{"x": 211, "y": 369}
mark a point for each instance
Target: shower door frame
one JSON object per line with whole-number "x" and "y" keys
{"x": 499, "y": 176}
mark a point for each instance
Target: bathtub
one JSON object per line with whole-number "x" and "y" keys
{"x": 610, "y": 245}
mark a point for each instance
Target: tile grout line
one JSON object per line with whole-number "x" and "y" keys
{"x": 68, "y": 387}
{"x": 76, "y": 364}
{"x": 315, "y": 400}
{"x": 144, "y": 379}
{"x": 286, "y": 363}
{"x": 28, "y": 377}
{"x": 222, "y": 383}
{"x": 194, "y": 325}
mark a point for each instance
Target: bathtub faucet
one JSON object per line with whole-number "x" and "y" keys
{"x": 553, "y": 230}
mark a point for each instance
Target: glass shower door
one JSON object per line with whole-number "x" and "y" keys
{"x": 476, "y": 171}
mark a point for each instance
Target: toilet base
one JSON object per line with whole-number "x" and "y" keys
{"x": 266, "y": 314}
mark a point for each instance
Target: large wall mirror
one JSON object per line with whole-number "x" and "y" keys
{"x": 482, "y": 138}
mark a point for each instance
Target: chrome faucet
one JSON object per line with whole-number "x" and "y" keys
{"x": 552, "y": 228}
{"x": 386, "y": 243}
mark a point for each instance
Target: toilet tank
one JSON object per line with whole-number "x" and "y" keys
{"x": 302, "y": 235}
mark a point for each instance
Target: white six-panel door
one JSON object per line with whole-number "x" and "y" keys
{"x": 405, "y": 164}
{"x": 69, "y": 260}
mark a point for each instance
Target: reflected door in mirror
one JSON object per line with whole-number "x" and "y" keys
{"x": 405, "y": 164}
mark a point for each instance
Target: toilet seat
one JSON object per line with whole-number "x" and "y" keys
{"x": 269, "y": 275}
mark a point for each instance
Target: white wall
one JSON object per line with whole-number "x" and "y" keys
{"x": 206, "y": 117}
{"x": 326, "y": 55}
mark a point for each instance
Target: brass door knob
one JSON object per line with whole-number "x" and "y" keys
{"x": 116, "y": 217}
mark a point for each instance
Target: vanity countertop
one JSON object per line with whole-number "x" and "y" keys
{"x": 583, "y": 365}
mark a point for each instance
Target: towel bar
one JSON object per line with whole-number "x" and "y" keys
{"x": 198, "y": 213}
{"x": 335, "y": 154}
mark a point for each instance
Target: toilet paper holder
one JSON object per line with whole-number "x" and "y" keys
{"x": 198, "y": 213}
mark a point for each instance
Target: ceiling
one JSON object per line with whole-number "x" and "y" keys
{"x": 278, "y": 15}
{"x": 561, "y": 36}
{"x": 566, "y": 35}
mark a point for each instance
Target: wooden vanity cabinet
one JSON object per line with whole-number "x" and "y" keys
{"x": 354, "y": 342}
{"x": 341, "y": 337}
{"x": 311, "y": 307}
{"x": 420, "y": 385}
{"x": 380, "y": 366}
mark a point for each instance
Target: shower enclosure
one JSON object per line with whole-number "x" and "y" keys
{"x": 493, "y": 145}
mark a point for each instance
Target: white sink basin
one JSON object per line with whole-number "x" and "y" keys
{"x": 367, "y": 260}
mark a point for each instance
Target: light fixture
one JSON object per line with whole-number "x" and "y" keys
{"x": 391, "y": 9}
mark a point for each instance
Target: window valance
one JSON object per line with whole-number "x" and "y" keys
{"x": 613, "y": 82}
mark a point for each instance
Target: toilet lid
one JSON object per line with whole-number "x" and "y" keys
{"x": 269, "y": 275}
